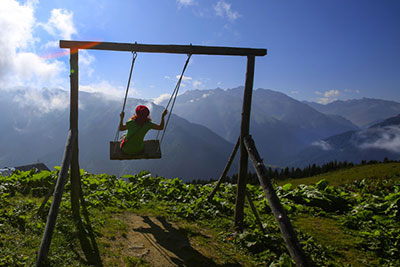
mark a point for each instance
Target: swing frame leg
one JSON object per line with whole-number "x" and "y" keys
{"x": 46, "y": 199}
{"x": 253, "y": 208}
{"x": 226, "y": 170}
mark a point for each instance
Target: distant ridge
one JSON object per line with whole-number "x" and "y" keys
{"x": 280, "y": 125}
{"x": 363, "y": 112}
{"x": 34, "y": 129}
{"x": 375, "y": 143}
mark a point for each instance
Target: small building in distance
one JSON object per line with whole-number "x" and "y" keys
{"x": 7, "y": 171}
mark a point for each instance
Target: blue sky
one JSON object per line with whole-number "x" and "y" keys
{"x": 318, "y": 50}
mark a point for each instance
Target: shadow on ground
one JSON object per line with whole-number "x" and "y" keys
{"x": 173, "y": 243}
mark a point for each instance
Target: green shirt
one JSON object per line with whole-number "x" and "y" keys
{"x": 135, "y": 136}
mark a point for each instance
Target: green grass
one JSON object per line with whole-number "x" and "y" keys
{"x": 353, "y": 220}
{"x": 346, "y": 176}
{"x": 330, "y": 233}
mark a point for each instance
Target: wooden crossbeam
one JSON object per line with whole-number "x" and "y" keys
{"x": 172, "y": 49}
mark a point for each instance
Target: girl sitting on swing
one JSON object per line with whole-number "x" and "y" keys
{"x": 137, "y": 127}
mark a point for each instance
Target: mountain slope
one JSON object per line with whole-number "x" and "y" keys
{"x": 31, "y": 132}
{"x": 279, "y": 124}
{"x": 362, "y": 112}
{"x": 375, "y": 143}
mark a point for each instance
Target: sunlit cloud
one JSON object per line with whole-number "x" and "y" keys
{"x": 161, "y": 98}
{"x": 108, "y": 90}
{"x": 60, "y": 24}
{"x": 19, "y": 65}
{"x": 328, "y": 96}
{"x": 197, "y": 84}
{"x": 331, "y": 93}
{"x": 31, "y": 68}
{"x": 324, "y": 100}
{"x": 223, "y": 9}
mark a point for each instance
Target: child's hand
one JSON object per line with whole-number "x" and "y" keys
{"x": 122, "y": 115}
{"x": 164, "y": 113}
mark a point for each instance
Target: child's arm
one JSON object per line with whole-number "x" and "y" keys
{"x": 122, "y": 127}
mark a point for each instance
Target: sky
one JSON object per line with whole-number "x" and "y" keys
{"x": 318, "y": 50}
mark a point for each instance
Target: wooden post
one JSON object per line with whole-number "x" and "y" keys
{"x": 55, "y": 205}
{"x": 244, "y": 131}
{"x": 253, "y": 208}
{"x": 73, "y": 120}
{"x": 75, "y": 172}
{"x": 46, "y": 198}
{"x": 293, "y": 245}
{"x": 225, "y": 172}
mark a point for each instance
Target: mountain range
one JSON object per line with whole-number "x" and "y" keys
{"x": 377, "y": 142}
{"x": 363, "y": 112}
{"x": 201, "y": 134}
{"x": 281, "y": 126}
{"x": 34, "y": 130}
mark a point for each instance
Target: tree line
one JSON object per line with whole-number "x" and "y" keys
{"x": 278, "y": 174}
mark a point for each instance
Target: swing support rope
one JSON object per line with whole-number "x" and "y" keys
{"x": 127, "y": 89}
{"x": 173, "y": 98}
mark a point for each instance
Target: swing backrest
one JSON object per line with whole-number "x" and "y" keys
{"x": 151, "y": 150}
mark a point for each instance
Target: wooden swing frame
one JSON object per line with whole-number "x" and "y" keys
{"x": 71, "y": 152}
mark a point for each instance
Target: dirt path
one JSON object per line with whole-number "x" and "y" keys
{"x": 162, "y": 243}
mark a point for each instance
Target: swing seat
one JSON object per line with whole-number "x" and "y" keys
{"x": 151, "y": 150}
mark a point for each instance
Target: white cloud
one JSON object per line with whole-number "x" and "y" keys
{"x": 387, "y": 138}
{"x": 60, "y": 24}
{"x": 352, "y": 91}
{"x": 197, "y": 84}
{"x": 223, "y": 9}
{"x": 16, "y": 22}
{"x": 107, "y": 90}
{"x": 184, "y": 81}
{"x": 184, "y": 78}
{"x": 294, "y": 92}
{"x": 161, "y": 98}
{"x": 85, "y": 61}
{"x": 329, "y": 96}
{"x": 50, "y": 45}
{"x": 32, "y": 68}
{"x": 43, "y": 101}
{"x": 325, "y": 100}
{"x": 331, "y": 93}
{"x": 19, "y": 65}
{"x": 323, "y": 145}
{"x": 185, "y": 2}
